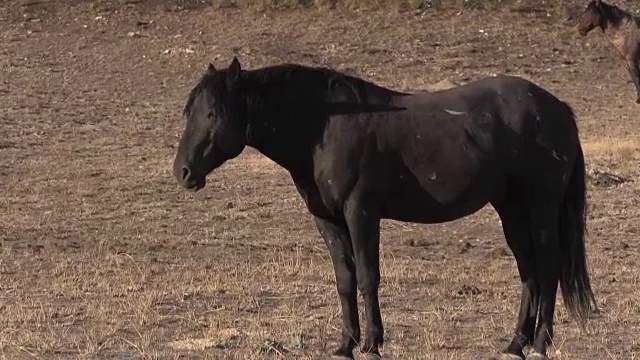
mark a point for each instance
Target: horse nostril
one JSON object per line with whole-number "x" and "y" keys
{"x": 186, "y": 173}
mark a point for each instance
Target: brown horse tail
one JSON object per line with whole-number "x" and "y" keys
{"x": 574, "y": 278}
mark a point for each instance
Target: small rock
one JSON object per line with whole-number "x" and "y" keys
{"x": 466, "y": 246}
{"x": 468, "y": 290}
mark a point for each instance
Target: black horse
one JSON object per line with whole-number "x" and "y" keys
{"x": 358, "y": 153}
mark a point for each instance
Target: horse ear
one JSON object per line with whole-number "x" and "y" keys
{"x": 233, "y": 72}
{"x": 211, "y": 69}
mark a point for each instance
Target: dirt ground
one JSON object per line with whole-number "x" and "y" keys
{"x": 102, "y": 255}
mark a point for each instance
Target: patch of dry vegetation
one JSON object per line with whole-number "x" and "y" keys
{"x": 613, "y": 147}
{"x": 617, "y": 154}
{"x": 554, "y": 7}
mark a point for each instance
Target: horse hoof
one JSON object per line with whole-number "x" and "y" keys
{"x": 536, "y": 356}
{"x": 507, "y": 356}
{"x": 370, "y": 352}
{"x": 342, "y": 354}
{"x": 341, "y": 357}
{"x": 336, "y": 356}
{"x": 372, "y": 356}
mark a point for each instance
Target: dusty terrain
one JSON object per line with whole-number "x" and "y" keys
{"x": 102, "y": 255}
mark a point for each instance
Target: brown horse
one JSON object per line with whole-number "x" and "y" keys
{"x": 621, "y": 28}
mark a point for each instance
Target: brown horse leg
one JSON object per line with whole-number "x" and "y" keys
{"x": 338, "y": 240}
{"x": 517, "y": 232}
{"x": 632, "y": 68}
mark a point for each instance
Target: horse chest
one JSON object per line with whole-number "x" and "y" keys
{"x": 619, "y": 42}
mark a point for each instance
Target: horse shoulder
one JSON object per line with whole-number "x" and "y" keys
{"x": 636, "y": 21}
{"x": 634, "y": 38}
{"x": 318, "y": 179}
{"x": 313, "y": 190}
{"x": 626, "y": 37}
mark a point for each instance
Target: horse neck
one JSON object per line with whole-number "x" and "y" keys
{"x": 286, "y": 139}
{"x": 289, "y": 131}
{"x": 614, "y": 17}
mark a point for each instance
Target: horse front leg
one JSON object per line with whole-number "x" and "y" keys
{"x": 364, "y": 226}
{"x": 634, "y": 72}
{"x": 336, "y": 236}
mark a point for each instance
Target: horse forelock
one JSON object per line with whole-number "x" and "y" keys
{"x": 205, "y": 82}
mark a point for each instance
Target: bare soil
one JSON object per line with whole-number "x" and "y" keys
{"x": 102, "y": 255}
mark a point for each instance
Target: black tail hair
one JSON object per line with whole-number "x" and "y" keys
{"x": 574, "y": 278}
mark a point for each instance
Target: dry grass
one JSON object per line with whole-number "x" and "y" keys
{"x": 559, "y": 8}
{"x": 620, "y": 154}
{"x": 611, "y": 147}
{"x": 103, "y": 256}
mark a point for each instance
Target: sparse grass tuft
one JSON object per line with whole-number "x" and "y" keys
{"x": 613, "y": 148}
{"x": 619, "y": 154}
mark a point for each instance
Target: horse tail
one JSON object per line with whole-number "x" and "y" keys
{"x": 574, "y": 278}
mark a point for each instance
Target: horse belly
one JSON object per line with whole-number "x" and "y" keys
{"x": 415, "y": 202}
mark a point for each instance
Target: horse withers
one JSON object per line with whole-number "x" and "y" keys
{"x": 621, "y": 29}
{"x": 358, "y": 152}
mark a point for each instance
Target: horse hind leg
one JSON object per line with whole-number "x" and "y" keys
{"x": 516, "y": 226}
{"x": 557, "y": 223}
{"x": 532, "y": 236}
{"x": 544, "y": 230}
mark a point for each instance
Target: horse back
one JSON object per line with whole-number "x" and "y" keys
{"x": 493, "y": 122}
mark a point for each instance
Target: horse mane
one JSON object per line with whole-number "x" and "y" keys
{"x": 332, "y": 86}
{"x": 614, "y": 13}
{"x": 336, "y": 85}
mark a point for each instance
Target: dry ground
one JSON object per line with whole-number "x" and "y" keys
{"x": 102, "y": 255}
